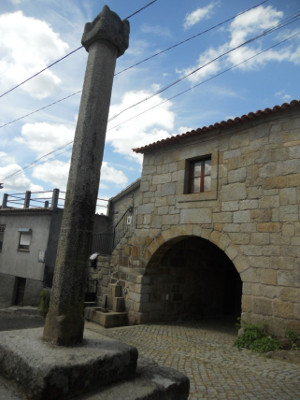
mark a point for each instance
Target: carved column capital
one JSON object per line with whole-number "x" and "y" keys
{"x": 107, "y": 26}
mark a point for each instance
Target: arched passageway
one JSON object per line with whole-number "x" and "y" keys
{"x": 191, "y": 278}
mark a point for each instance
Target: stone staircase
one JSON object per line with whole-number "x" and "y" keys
{"x": 112, "y": 312}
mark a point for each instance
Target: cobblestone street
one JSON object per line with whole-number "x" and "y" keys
{"x": 216, "y": 369}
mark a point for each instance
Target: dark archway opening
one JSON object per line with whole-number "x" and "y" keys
{"x": 191, "y": 278}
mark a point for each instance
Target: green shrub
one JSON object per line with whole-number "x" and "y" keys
{"x": 44, "y": 301}
{"x": 265, "y": 344}
{"x": 250, "y": 334}
{"x": 255, "y": 338}
{"x": 292, "y": 336}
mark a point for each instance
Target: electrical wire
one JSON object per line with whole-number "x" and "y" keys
{"x": 30, "y": 165}
{"x": 264, "y": 33}
{"x": 141, "y": 9}
{"x": 64, "y": 57}
{"x": 40, "y": 109}
{"x": 190, "y": 38}
{"x": 140, "y": 62}
{"x": 206, "y": 80}
{"x": 38, "y": 73}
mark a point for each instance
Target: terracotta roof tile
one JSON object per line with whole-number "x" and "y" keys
{"x": 219, "y": 125}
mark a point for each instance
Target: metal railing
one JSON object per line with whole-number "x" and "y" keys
{"x": 123, "y": 226}
{"x": 102, "y": 243}
{"x": 45, "y": 199}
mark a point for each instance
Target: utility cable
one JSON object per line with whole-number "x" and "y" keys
{"x": 141, "y": 9}
{"x": 189, "y": 38}
{"x": 38, "y": 73}
{"x": 40, "y": 109}
{"x": 206, "y": 80}
{"x": 264, "y": 33}
{"x": 140, "y": 62}
{"x": 37, "y": 160}
{"x": 30, "y": 165}
{"x": 64, "y": 57}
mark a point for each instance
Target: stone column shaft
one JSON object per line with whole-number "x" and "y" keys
{"x": 65, "y": 323}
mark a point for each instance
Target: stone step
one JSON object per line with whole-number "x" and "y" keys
{"x": 45, "y": 371}
{"x": 22, "y": 310}
{"x": 98, "y": 369}
{"x": 107, "y": 319}
{"x": 151, "y": 382}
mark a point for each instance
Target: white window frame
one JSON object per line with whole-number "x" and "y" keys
{"x": 24, "y": 239}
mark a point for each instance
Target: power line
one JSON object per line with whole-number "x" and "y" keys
{"x": 142, "y": 61}
{"x": 64, "y": 57}
{"x": 268, "y": 31}
{"x": 37, "y": 160}
{"x": 264, "y": 33}
{"x": 40, "y": 109}
{"x": 206, "y": 80}
{"x": 141, "y": 9}
{"x": 30, "y": 165}
{"x": 190, "y": 38}
{"x": 38, "y": 73}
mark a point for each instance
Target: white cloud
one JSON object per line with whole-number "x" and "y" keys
{"x": 151, "y": 126}
{"x": 42, "y": 137}
{"x": 252, "y": 23}
{"x": 111, "y": 174}
{"x": 18, "y": 182}
{"x": 258, "y": 19}
{"x": 205, "y": 70}
{"x": 54, "y": 172}
{"x": 28, "y": 45}
{"x": 242, "y": 28}
{"x": 247, "y": 25}
{"x": 283, "y": 95}
{"x": 294, "y": 54}
{"x": 6, "y": 159}
{"x": 156, "y": 30}
{"x": 197, "y": 15}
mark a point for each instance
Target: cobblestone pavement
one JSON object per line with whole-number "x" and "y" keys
{"x": 216, "y": 369}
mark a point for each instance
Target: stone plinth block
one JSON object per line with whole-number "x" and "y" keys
{"x": 50, "y": 372}
{"x": 118, "y": 304}
{"x": 116, "y": 290}
{"x": 110, "y": 319}
{"x": 150, "y": 383}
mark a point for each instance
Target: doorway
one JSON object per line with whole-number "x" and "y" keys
{"x": 19, "y": 291}
{"x": 190, "y": 278}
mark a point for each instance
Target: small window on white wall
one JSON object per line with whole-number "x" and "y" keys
{"x": 24, "y": 239}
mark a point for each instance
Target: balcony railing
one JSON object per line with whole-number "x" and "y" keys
{"x": 123, "y": 226}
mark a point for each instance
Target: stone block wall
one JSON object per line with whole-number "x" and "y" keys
{"x": 251, "y": 213}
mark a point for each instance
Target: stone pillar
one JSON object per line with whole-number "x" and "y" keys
{"x": 106, "y": 38}
{"x": 4, "y": 200}
{"x": 54, "y": 201}
{"x": 27, "y": 199}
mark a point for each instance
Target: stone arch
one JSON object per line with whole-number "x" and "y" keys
{"x": 220, "y": 239}
{"x": 172, "y": 239}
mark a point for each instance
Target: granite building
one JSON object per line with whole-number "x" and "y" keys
{"x": 213, "y": 225}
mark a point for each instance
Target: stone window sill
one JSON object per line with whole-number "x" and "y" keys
{"x": 194, "y": 197}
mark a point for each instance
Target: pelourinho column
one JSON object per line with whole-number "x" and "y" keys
{"x": 106, "y": 38}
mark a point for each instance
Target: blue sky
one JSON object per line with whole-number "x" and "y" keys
{"x": 35, "y": 33}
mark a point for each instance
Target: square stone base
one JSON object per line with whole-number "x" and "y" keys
{"x": 45, "y": 371}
